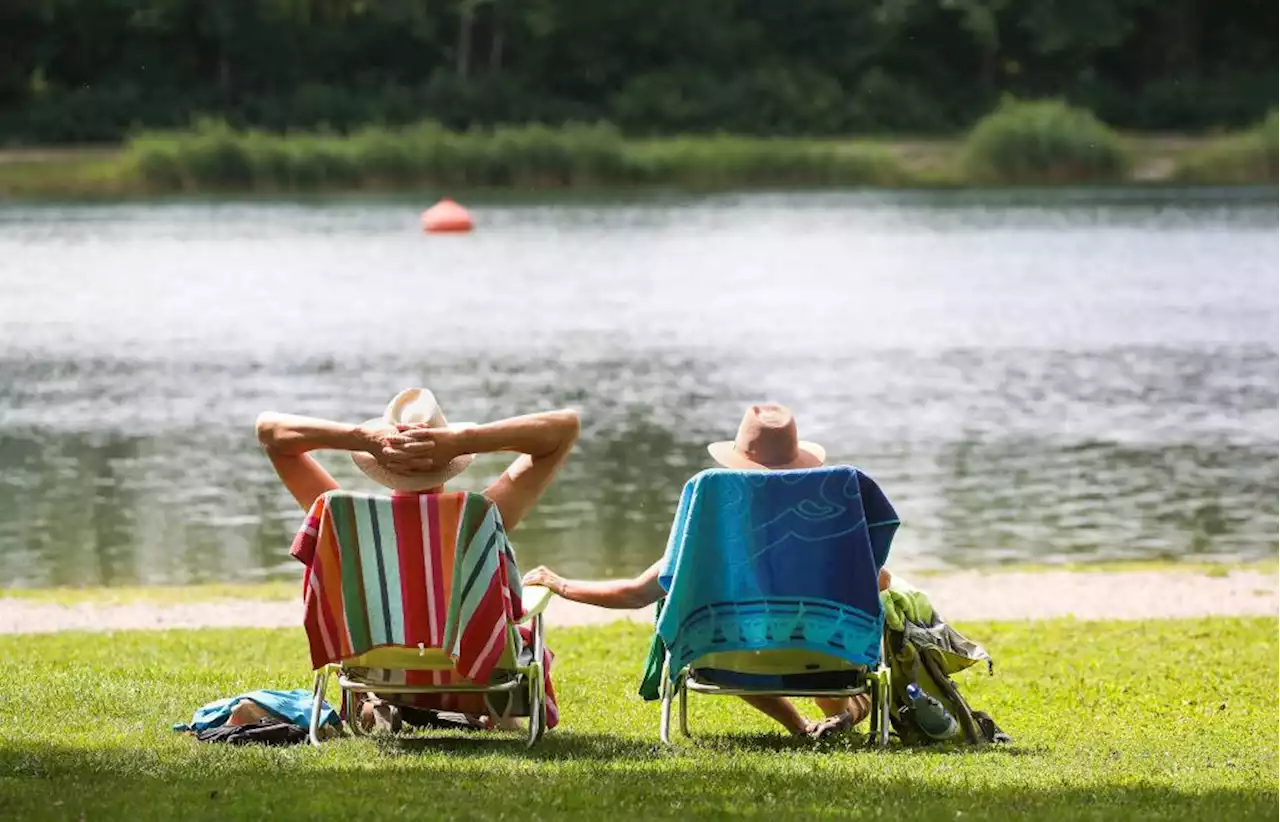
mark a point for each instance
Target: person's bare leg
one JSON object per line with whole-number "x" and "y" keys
{"x": 782, "y": 711}
{"x": 841, "y": 714}
{"x": 857, "y": 707}
{"x": 246, "y": 712}
{"x": 376, "y": 715}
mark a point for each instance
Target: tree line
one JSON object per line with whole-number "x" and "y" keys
{"x": 95, "y": 70}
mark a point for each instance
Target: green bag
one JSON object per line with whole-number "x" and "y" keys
{"x": 921, "y": 648}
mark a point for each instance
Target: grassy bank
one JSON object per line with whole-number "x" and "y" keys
{"x": 70, "y": 173}
{"x": 1110, "y": 721}
{"x": 212, "y": 158}
{"x": 1238, "y": 158}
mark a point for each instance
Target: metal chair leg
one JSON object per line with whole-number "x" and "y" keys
{"x": 874, "y": 734}
{"x": 538, "y": 640}
{"x": 537, "y": 693}
{"x": 683, "y": 686}
{"x": 351, "y": 705}
{"x": 879, "y": 717}
{"x": 317, "y": 700}
{"x": 664, "y": 727}
{"x": 883, "y": 689}
{"x": 537, "y": 705}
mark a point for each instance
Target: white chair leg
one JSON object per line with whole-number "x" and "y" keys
{"x": 874, "y": 714}
{"x": 351, "y": 705}
{"x": 883, "y": 689}
{"x": 317, "y": 700}
{"x": 664, "y": 728}
{"x": 537, "y": 705}
{"x": 683, "y": 685}
{"x": 537, "y": 694}
{"x": 538, "y": 640}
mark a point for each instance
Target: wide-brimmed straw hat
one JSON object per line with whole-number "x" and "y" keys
{"x": 767, "y": 439}
{"x": 413, "y": 406}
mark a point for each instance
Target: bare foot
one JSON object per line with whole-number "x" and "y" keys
{"x": 502, "y": 723}
{"x": 246, "y": 712}
{"x": 379, "y": 716}
{"x": 831, "y": 726}
{"x": 861, "y": 707}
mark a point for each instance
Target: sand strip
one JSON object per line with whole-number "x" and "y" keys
{"x": 960, "y": 597}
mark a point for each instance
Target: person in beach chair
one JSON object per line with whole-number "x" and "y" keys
{"x": 771, "y": 582}
{"x": 423, "y": 569}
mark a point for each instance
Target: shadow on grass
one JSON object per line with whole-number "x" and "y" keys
{"x": 554, "y": 746}
{"x": 575, "y": 778}
{"x": 571, "y": 746}
{"x": 857, "y": 742}
{"x": 603, "y": 747}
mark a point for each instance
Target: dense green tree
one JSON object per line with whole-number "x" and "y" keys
{"x": 94, "y": 69}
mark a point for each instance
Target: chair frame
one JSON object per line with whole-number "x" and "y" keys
{"x": 875, "y": 682}
{"x": 526, "y": 677}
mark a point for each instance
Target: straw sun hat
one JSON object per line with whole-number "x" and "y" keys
{"x": 767, "y": 439}
{"x": 413, "y": 406}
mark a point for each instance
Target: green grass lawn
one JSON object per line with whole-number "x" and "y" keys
{"x": 1162, "y": 719}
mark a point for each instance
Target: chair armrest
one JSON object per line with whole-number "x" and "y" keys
{"x": 535, "y": 601}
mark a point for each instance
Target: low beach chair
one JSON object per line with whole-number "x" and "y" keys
{"x": 417, "y": 598}
{"x": 772, "y": 590}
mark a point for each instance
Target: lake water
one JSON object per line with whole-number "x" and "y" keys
{"x": 1040, "y": 376}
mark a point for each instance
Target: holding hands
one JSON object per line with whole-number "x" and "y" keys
{"x": 544, "y": 576}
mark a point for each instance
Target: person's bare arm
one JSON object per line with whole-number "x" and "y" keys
{"x": 287, "y": 439}
{"x": 636, "y": 592}
{"x": 543, "y": 441}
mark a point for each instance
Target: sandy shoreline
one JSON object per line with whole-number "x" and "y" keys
{"x": 960, "y": 597}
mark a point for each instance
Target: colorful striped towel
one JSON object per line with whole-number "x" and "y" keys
{"x": 413, "y": 570}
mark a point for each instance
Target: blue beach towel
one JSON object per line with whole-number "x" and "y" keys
{"x": 769, "y": 560}
{"x": 293, "y": 707}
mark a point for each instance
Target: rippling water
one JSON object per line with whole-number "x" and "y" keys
{"x": 1039, "y": 376}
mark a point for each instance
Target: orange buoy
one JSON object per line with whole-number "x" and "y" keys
{"x": 446, "y": 216}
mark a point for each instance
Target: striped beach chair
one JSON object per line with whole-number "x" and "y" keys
{"x": 417, "y": 598}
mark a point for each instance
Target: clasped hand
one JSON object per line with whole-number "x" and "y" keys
{"x": 413, "y": 448}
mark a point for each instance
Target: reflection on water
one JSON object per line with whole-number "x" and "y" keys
{"x": 1045, "y": 376}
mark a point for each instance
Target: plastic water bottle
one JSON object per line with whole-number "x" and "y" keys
{"x": 931, "y": 715}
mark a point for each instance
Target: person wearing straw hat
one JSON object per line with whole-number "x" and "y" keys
{"x": 413, "y": 448}
{"x": 767, "y": 440}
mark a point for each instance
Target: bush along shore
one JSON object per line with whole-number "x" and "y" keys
{"x": 1238, "y": 159}
{"x": 214, "y": 156}
{"x": 1020, "y": 143}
